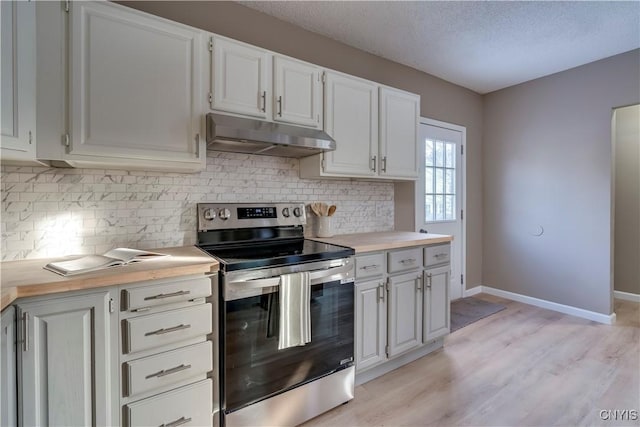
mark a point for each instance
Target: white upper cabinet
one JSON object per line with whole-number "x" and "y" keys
{"x": 351, "y": 118}
{"x": 135, "y": 91}
{"x": 240, "y": 78}
{"x": 18, "y": 90}
{"x": 399, "y": 118}
{"x": 376, "y": 136}
{"x": 297, "y": 92}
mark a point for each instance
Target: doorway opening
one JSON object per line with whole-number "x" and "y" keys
{"x": 626, "y": 203}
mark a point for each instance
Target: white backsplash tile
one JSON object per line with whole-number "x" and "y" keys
{"x": 49, "y": 212}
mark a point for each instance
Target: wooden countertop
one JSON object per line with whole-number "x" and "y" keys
{"x": 27, "y": 278}
{"x": 380, "y": 241}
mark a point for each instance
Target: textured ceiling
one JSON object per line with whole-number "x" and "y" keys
{"x": 484, "y": 46}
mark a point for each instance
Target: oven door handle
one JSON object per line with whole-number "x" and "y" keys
{"x": 318, "y": 276}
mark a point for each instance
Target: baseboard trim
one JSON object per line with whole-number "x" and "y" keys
{"x": 607, "y": 319}
{"x": 473, "y": 291}
{"x": 627, "y": 296}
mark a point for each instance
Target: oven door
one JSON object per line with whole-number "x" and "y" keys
{"x": 253, "y": 367}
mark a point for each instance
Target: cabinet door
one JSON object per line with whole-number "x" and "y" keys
{"x": 297, "y": 92}
{"x": 67, "y": 359}
{"x": 135, "y": 86}
{"x": 399, "y": 118}
{"x": 8, "y": 404}
{"x": 240, "y": 78}
{"x": 371, "y": 323}
{"x": 18, "y": 90}
{"x": 436, "y": 303}
{"x": 351, "y": 118}
{"x": 405, "y": 312}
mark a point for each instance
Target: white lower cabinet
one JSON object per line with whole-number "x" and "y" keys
{"x": 405, "y": 312}
{"x": 400, "y": 307}
{"x": 168, "y": 355}
{"x": 167, "y": 369}
{"x": 436, "y": 303}
{"x": 72, "y": 372}
{"x": 8, "y": 401}
{"x": 371, "y": 323}
{"x": 67, "y": 352}
{"x": 186, "y": 406}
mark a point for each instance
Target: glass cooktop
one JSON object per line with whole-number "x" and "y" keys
{"x": 267, "y": 254}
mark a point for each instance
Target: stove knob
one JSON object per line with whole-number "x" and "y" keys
{"x": 209, "y": 214}
{"x": 224, "y": 214}
{"x": 285, "y": 212}
{"x": 297, "y": 212}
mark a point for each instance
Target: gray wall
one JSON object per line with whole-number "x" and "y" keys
{"x": 547, "y": 162}
{"x": 627, "y": 200}
{"x": 440, "y": 100}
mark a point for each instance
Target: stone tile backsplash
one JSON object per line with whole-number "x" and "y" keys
{"x": 50, "y": 212}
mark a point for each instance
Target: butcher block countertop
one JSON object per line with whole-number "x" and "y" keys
{"x": 380, "y": 241}
{"x": 27, "y": 278}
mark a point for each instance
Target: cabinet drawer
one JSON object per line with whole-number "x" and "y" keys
{"x": 155, "y": 330}
{"x": 171, "y": 367}
{"x": 437, "y": 254}
{"x": 369, "y": 265}
{"x": 406, "y": 259}
{"x": 165, "y": 293}
{"x": 186, "y": 406}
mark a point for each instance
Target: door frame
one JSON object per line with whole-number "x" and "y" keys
{"x": 463, "y": 166}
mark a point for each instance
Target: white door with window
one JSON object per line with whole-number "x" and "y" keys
{"x": 439, "y": 198}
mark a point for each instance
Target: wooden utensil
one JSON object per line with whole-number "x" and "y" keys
{"x": 324, "y": 209}
{"x": 332, "y": 210}
{"x": 315, "y": 207}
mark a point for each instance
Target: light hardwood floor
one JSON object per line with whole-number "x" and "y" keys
{"x": 523, "y": 366}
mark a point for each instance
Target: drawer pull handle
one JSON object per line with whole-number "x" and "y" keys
{"x": 407, "y": 261}
{"x": 167, "y": 330}
{"x": 429, "y": 280}
{"x": 369, "y": 267}
{"x": 441, "y": 255}
{"x": 172, "y": 294}
{"x": 166, "y": 372}
{"x": 180, "y": 421}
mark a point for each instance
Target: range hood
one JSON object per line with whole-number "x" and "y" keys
{"x": 252, "y": 136}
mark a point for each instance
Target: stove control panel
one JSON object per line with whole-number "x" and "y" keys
{"x": 221, "y": 216}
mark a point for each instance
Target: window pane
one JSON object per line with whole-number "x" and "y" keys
{"x": 428, "y": 208}
{"x": 428, "y": 181}
{"x": 428, "y": 152}
{"x": 439, "y": 181}
{"x": 439, "y": 208}
{"x": 449, "y": 181}
{"x": 450, "y": 155}
{"x": 450, "y": 207}
{"x": 439, "y": 153}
